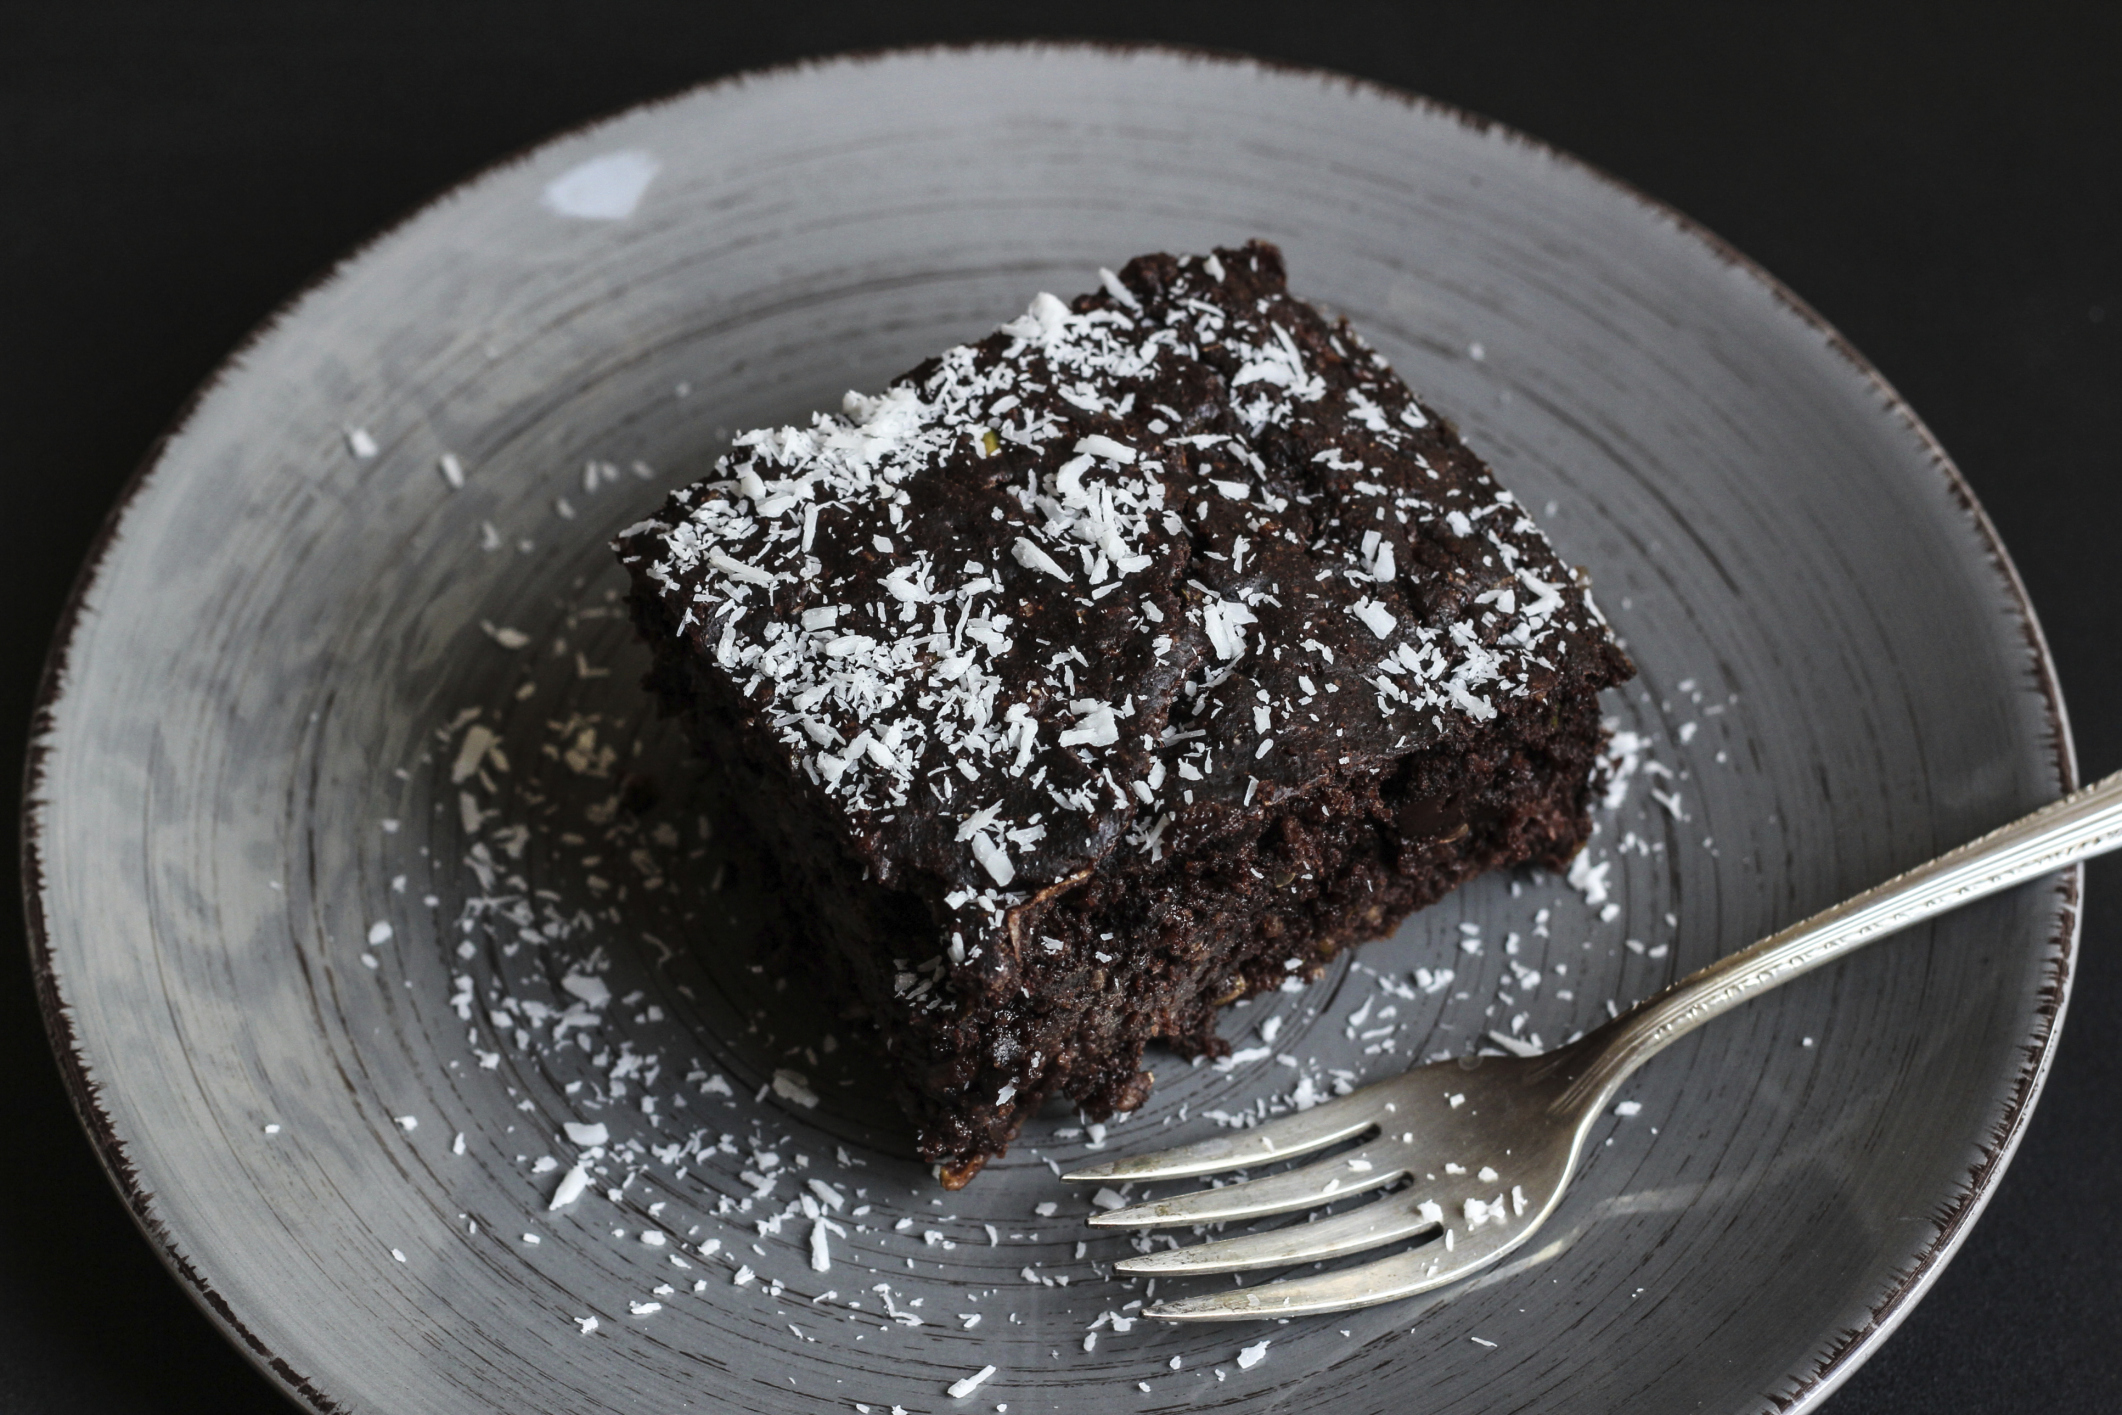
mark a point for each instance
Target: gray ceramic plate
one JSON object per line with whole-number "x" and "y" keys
{"x": 348, "y": 817}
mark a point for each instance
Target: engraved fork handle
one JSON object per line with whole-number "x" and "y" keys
{"x": 2085, "y": 823}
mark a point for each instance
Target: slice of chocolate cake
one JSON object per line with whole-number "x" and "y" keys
{"x": 1140, "y": 656}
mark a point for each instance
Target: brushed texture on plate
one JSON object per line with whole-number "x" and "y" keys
{"x": 275, "y": 631}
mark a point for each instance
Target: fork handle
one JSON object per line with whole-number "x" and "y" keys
{"x": 2085, "y": 823}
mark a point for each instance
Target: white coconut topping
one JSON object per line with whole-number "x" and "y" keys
{"x": 916, "y": 680}
{"x": 962, "y": 1388}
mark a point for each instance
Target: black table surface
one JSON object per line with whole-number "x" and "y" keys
{"x": 1932, "y": 179}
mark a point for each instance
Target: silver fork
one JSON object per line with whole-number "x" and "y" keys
{"x": 1490, "y": 1142}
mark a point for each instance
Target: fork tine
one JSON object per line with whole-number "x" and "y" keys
{"x": 1387, "y": 1221}
{"x": 1358, "y": 1172}
{"x": 1282, "y": 1139}
{"x": 1404, "y": 1274}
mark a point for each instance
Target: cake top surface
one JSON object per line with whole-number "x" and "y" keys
{"x": 1101, "y": 579}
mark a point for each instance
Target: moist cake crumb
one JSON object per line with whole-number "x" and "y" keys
{"x": 1136, "y": 658}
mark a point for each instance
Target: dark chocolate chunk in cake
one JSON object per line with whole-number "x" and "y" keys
{"x": 1142, "y": 655}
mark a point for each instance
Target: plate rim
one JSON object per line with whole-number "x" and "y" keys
{"x": 1850, "y": 1348}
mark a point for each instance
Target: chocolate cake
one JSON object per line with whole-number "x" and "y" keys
{"x": 1140, "y": 656}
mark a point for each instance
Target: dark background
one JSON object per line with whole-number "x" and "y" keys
{"x": 1933, "y": 179}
